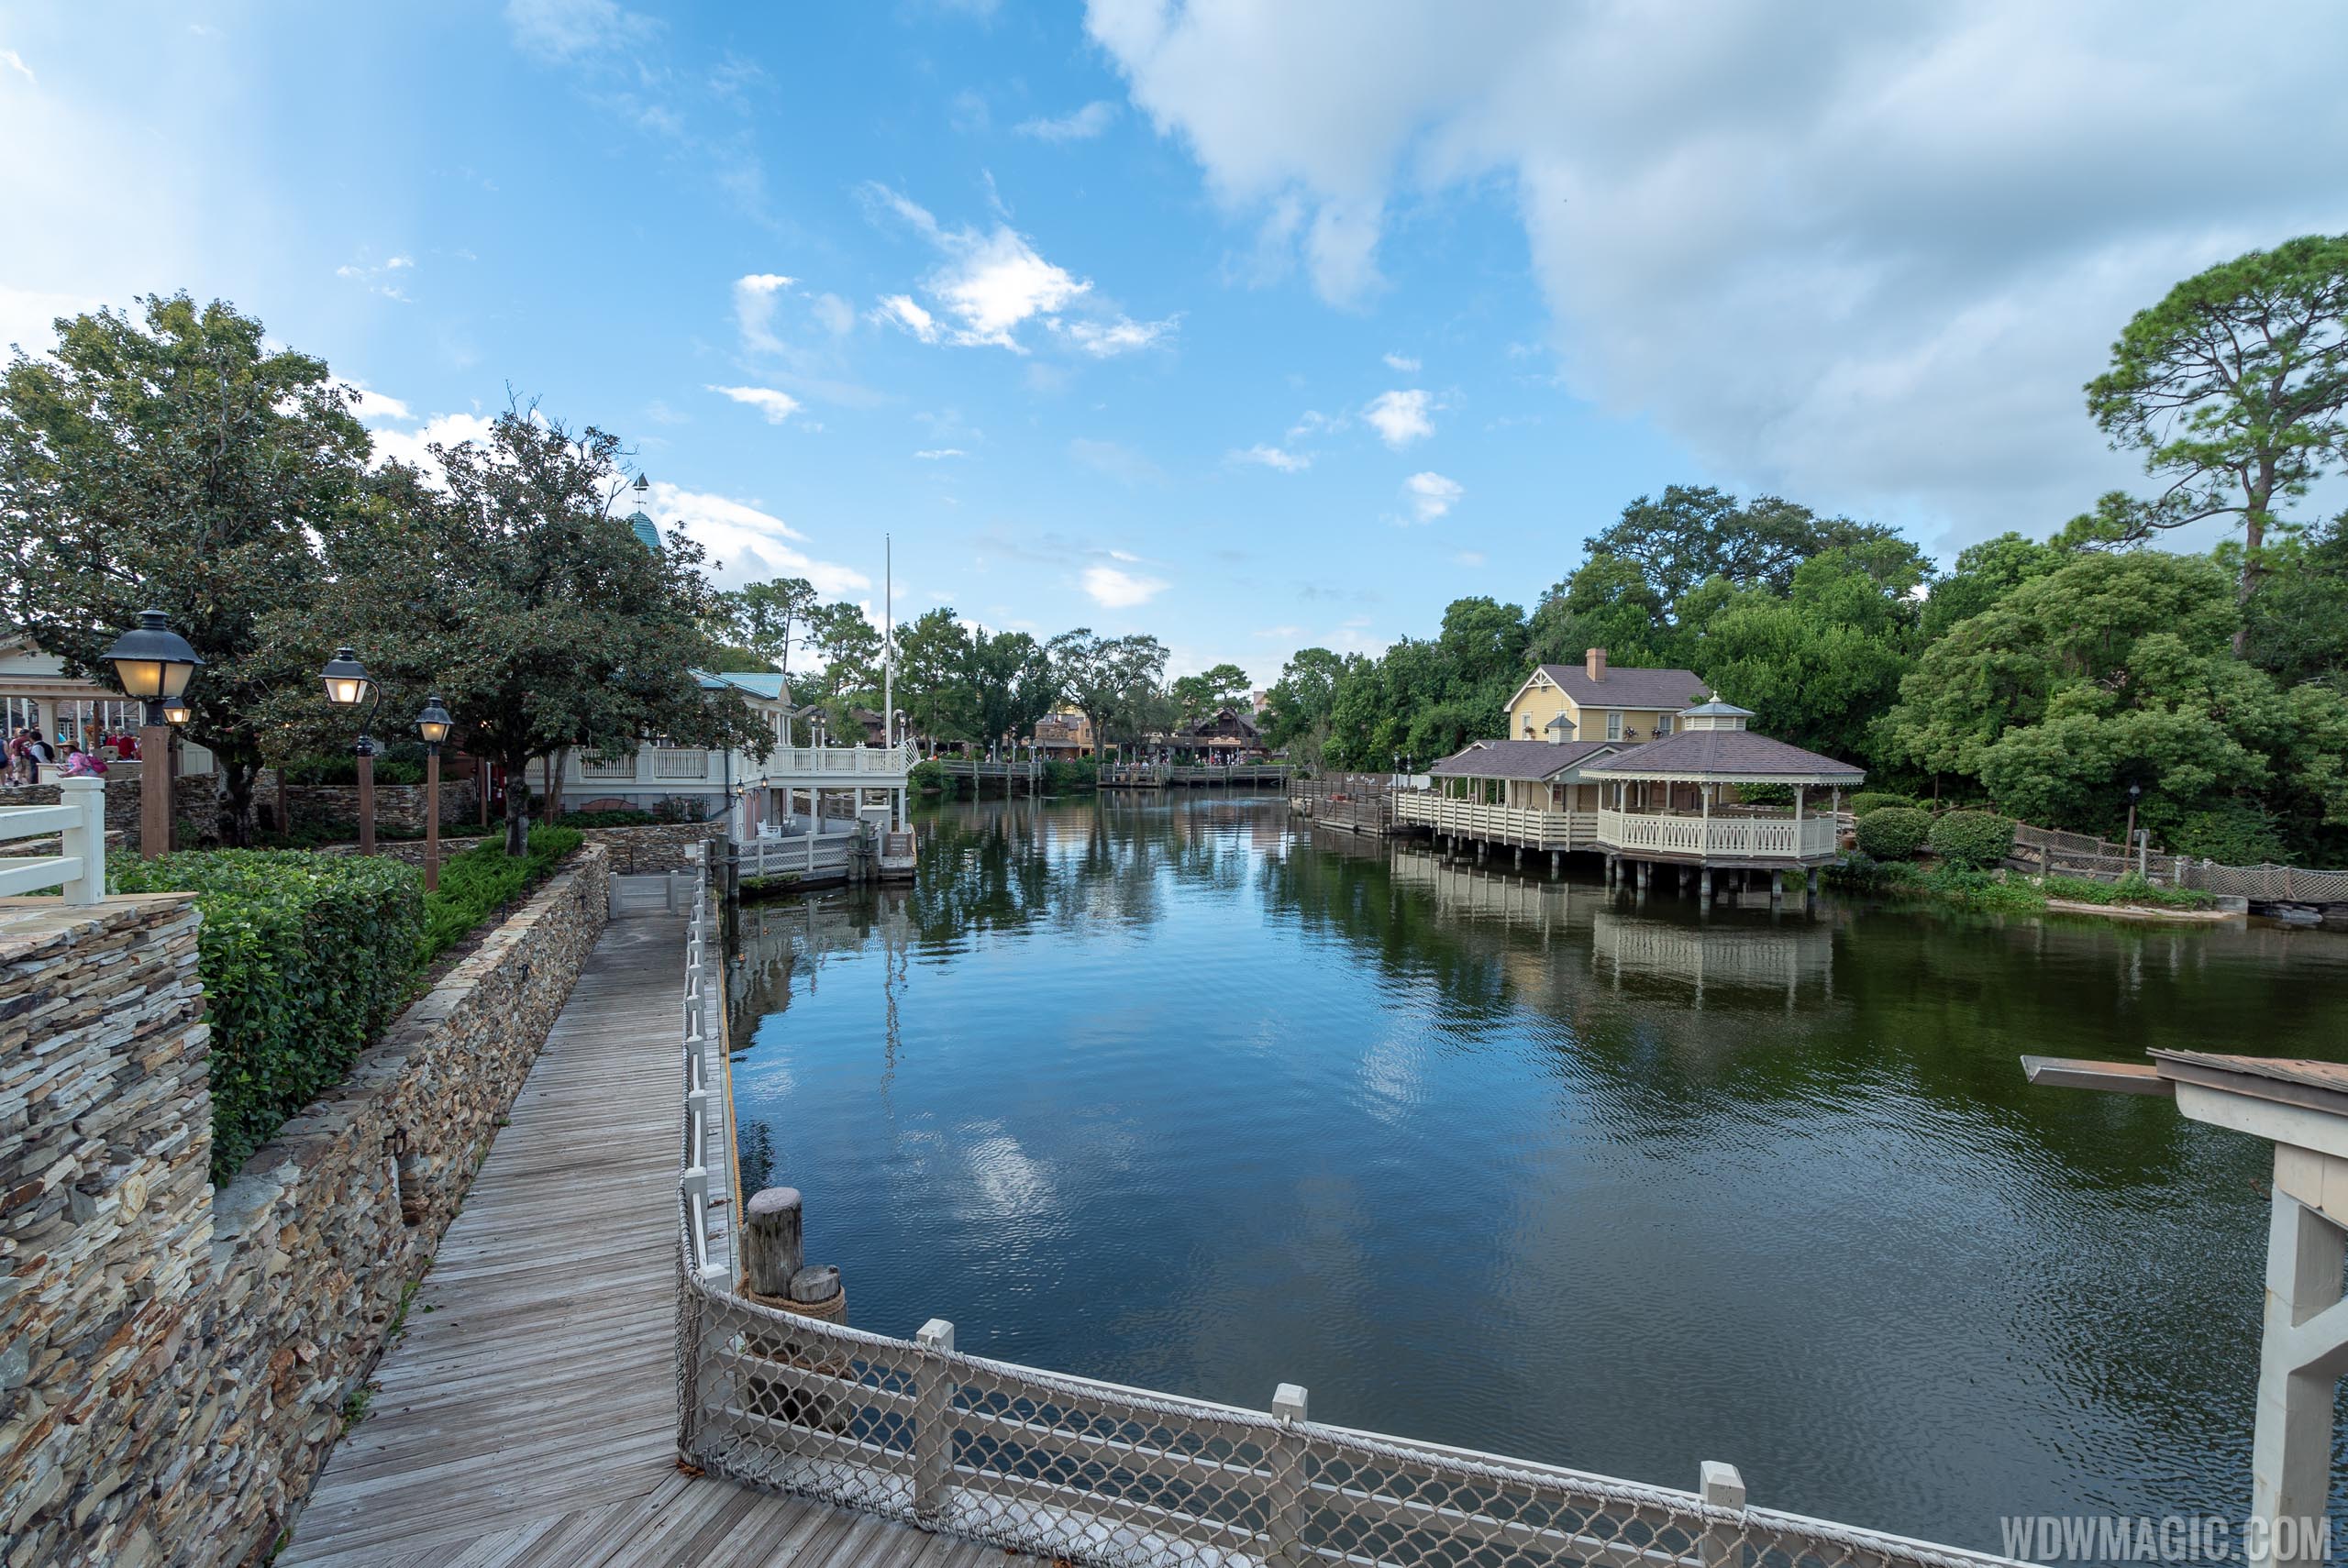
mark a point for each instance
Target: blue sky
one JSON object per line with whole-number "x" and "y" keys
{"x": 1251, "y": 326}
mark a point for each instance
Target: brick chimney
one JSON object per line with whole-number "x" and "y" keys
{"x": 1594, "y": 664}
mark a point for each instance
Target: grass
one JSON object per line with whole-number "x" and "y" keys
{"x": 2004, "y": 893}
{"x": 770, "y": 886}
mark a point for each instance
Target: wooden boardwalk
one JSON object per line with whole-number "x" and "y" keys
{"x": 527, "y": 1417}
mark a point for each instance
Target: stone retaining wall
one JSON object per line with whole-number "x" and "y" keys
{"x": 663, "y": 846}
{"x": 193, "y": 798}
{"x": 396, "y": 805}
{"x": 186, "y": 1356}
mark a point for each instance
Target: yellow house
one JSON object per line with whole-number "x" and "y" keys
{"x": 1591, "y": 702}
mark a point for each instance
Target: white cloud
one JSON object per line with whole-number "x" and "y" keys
{"x": 901, "y": 310}
{"x": 835, "y": 314}
{"x": 991, "y": 284}
{"x": 1123, "y": 335}
{"x": 1083, "y": 125}
{"x": 1118, "y": 461}
{"x": 1921, "y": 227}
{"x": 1112, "y": 589}
{"x": 1402, "y": 362}
{"x": 753, "y": 305}
{"x": 1282, "y": 632}
{"x": 749, "y": 543}
{"x": 939, "y": 454}
{"x": 1400, "y": 418}
{"x": 374, "y": 406}
{"x": 1273, "y": 457}
{"x": 1431, "y": 495}
{"x": 1469, "y": 558}
{"x": 567, "y": 29}
{"x": 414, "y": 448}
{"x": 776, "y": 406}
{"x": 29, "y": 317}
{"x": 15, "y": 62}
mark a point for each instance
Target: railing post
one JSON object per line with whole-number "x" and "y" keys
{"x": 933, "y": 1421}
{"x": 86, "y": 838}
{"x": 1724, "y": 1488}
{"x": 1284, "y": 1493}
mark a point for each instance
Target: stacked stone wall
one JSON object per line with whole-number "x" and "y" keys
{"x": 174, "y": 1364}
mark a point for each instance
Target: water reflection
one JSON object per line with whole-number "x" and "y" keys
{"x": 1168, "y": 1093}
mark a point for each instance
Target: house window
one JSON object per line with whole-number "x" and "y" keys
{"x": 1613, "y": 724}
{"x": 1528, "y": 727}
{"x": 1662, "y": 725}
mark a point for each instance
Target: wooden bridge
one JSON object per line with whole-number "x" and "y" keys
{"x": 1187, "y": 776}
{"x": 527, "y": 1416}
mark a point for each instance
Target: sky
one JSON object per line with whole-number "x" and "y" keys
{"x": 1252, "y": 327}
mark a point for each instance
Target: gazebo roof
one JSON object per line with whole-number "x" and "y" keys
{"x": 1518, "y": 758}
{"x": 1727, "y": 756}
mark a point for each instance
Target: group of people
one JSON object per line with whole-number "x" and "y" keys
{"x": 28, "y": 750}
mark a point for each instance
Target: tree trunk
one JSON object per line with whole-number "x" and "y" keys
{"x": 2253, "y": 537}
{"x": 235, "y": 800}
{"x": 552, "y": 808}
{"x": 517, "y": 804}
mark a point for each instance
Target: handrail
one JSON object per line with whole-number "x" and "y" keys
{"x": 78, "y": 821}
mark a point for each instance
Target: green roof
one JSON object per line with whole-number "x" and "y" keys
{"x": 646, "y": 533}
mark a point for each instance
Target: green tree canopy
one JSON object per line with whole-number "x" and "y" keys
{"x": 2234, "y": 387}
{"x": 2116, "y": 670}
{"x": 179, "y": 462}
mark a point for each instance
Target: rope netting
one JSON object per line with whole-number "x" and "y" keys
{"x": 1096, "y": 1473}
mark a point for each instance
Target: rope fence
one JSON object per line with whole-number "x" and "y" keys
{"x": 1089, "y": 1473}
{"x": 2050, "y": 850}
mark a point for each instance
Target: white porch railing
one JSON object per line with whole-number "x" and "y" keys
{"x": 1723, "y": 837}
{"x": 681, "y": 764}
{"x": 78, "y": 821}
{"x": 1501, "y": 824}
{"x": 809, "y": 761}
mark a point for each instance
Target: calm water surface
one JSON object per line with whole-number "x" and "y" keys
{"x": 1181, "y": 1095}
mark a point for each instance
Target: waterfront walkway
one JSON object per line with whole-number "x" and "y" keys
{"x": 526, "y": 1416}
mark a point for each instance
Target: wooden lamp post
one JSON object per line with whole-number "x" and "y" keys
{"x": 153, "y": 665}
{"x": 433, "y": 725}
{"x": 347, "y": 684}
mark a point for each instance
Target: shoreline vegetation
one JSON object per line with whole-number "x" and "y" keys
{"x": 2013, "y": 892}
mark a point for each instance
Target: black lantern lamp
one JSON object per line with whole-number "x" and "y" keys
{"x": 176, "y": 712}
{"x": 152, "y": 663}
{"x": 434, "y": 723}
{"x": 346, "y": 679}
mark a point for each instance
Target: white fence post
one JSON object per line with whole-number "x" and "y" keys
{"x": 933, "y": 1421}
{"x": 1284, "y": 1494}
{"x": 1724, "y": 1488}
{"x": 85, "y": 840}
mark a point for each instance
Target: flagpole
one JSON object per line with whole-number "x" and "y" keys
{"x": 887, "y": 640}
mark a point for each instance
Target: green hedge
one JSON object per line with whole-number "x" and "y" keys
{"x": 1893, "y": 832}
{"x": 1974, "y": 839}
{"x": 344, "y": 769}
{"x": 1765, "y": 794}
{"x": 1868, "y": 800}
{"x": 303, "y": 957}
{"x": 623, "y": 818}
{"x": 483, "y": 880}
{"x": 2130, "y": 890}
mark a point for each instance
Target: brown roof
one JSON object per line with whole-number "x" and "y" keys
{"x": 1629, "y": 688}
{"x": 1695, "y": 753}
{"x": 1517, "y": 758}
{"x": 2283, "y": 1069}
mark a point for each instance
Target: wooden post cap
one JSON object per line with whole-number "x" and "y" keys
{"x": 817, "y": 1283}
{"x": 771, "y": 1247}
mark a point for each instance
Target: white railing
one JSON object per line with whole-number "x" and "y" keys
{"x": 1727, "y": 837}
{"x": 1501, "y": 824}
{"x": 806, "y": 854}
{"x": 704, "y": 1114}
{"x": 618, "y": 768}
{"x": 680, "y": 764}
{"x": 78, "y": 823}
{"x": 805, "y": 761}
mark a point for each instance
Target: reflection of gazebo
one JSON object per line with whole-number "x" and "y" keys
{"x": 1675, "y": 800}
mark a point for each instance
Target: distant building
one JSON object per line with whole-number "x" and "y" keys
{"x": 1591, "y": 702}
{"x": 36, "y": 693}
{"x": 1226, "y": 736}
{"x": 1064, "y": 736}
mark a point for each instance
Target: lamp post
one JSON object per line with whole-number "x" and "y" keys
{"x": 347, "y": 685}
{"x": 2134, "y": 789}
{"x": 433, "y": 725}
{"x": 153, "y": 665}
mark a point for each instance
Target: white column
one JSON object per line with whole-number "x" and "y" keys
{"x": 2301, "y": 1349}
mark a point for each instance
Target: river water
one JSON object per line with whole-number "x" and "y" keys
{"x": 1179, "y": 1094}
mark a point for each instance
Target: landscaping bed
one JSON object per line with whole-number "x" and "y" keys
{"x": 304, "y": 958}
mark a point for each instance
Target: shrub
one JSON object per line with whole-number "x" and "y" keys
{"x": 1893, "y": 832}
{"x": 2238, "y": 833}
{"x": 1072, "y": 774}
{"x": 610, "y": 819}
{"x": 483, "y": 880}
{"x": 1974, "y": 839}
{"x": 345, "y": 770}
{"x": 1868, "y": 800}
{"x": 303, "y": 958}
{"x": 2130, "y": 890}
